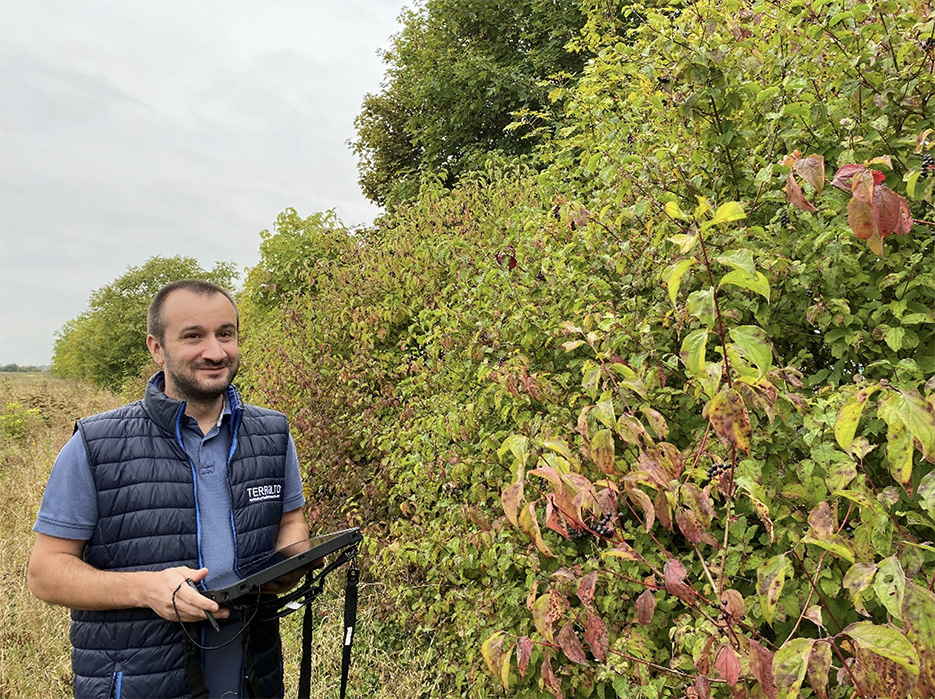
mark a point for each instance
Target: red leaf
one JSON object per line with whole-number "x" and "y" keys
{"x": 795, "y": 196}
{"x": 523, "y": 651}
{"x": 645, "y": 607}
{"x": 812, "y": 170}
{"x": 878, "y": 177}
{"x": 761, "y": 666}
{"x": 689, "y": 525}
{"x": 889, "y": 211}
{"x": 675, "y": 581}
{"x": 586, "y": 589}
{"x": 727, "y": 665}
{"x": 703, "y": 687}
{"x": 860, "y": 218}
{"x": 570, "y": 644}
{"x": 862, "y": 186}
{"x": 553, "y": 520}
{"x": 844, "y": 175}
{"x": 596, "y": 636}
{"x": 551, "y": 681}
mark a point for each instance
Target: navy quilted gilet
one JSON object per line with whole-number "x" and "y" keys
{"x": 148, "y": 520}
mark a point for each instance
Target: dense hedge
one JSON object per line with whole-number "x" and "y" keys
{"x": 663, "y": 414}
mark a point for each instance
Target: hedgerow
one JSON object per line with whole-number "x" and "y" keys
{"x": 658, "y": 418}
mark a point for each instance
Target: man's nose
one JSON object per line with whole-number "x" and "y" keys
{"x": 213, "y": 349}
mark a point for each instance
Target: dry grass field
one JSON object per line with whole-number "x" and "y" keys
{"x": 37, "y": 415}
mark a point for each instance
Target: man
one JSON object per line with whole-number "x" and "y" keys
{"x": 149, "y": 496}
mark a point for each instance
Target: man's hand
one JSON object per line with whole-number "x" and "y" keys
{"x": 162, "y": 586}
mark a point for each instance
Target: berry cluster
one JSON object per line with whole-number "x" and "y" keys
{"x": 578, "y": 534}
{"x": 602, "y": 528}
{"x": 928, "y": 165}
{"x": 715, "y": 470}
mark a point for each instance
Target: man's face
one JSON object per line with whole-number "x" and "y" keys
{"x": 199, "y": 353}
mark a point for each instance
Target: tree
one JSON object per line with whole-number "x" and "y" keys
{"x": 457, "y": 73}
{"x": 106, "y": 344}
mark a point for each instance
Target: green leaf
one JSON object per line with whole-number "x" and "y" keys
{"x": 753, "y": 344}
{"x": 701, "y": 305}
{"x": 856, "y": 580}
{"x": 685, "y": 242}
{"x": 693, "y": 353}
{"x": 926, "y": 493}
{"x": 909, "y": 409}
{"x": 890, "y": 585}
{"x": 673, "y": 211}
{"x": 789, "y": 666}
{"x": 738, "y": 259}
{"x": 836, "y": 544}
{"x": 886, "y": 641}
{"x": 558, "y": 445}
{"x": 768, "y": 94}
{"x": 675, "y": 278}
{"x": 757, "y": 284}
{"x": 918, "y": 613}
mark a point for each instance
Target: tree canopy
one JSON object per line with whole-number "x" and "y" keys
{"x": 456, "y": 73}
{"x": 106, "y": 344}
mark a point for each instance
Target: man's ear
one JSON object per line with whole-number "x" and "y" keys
{"x": 155, "y": 349}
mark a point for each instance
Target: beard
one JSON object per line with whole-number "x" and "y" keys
{"x": 192, "y": 388}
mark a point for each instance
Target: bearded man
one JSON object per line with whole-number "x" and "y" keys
{"x": 160, "y": 493}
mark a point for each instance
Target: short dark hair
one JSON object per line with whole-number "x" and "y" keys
{"x": 155, "y": 323}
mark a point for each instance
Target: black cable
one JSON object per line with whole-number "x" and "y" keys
{"x": 243, "y": 627}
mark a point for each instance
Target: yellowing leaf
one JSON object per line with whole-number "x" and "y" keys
{"x": 771, "y": 577}
{"x": 729, "y": 211}
{"x": 490, "y": 651}
{"x": 758, "y": 284}
{"x": 789, "y": 666}
{"x": 846, "y": 424}
{"x": 886, "y": 641}
{"x": 675, "y": 278}
{"x": 511, "y": 497}
{"x": 729, "y": 418}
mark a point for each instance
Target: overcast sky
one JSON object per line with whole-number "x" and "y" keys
{"x": 130, "y": 129}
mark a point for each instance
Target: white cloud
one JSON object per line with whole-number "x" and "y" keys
{"x": 133, "y": 129}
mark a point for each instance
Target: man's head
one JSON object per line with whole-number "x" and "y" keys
{"x": 192, "y": 334}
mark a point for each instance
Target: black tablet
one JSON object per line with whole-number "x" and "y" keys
{"x": 282, "y": 562}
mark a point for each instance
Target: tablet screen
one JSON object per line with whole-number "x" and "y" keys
{"x": 283, "y": 561}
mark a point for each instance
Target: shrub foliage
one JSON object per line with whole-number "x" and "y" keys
{"x": 658, "y": 419}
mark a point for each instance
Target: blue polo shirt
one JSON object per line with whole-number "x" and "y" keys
{"x": 69, "y": 511}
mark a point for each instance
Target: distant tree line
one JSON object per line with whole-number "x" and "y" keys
{"x": 13, "y": 368}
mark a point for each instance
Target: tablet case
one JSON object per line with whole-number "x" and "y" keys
{"x": 235, "y": 584}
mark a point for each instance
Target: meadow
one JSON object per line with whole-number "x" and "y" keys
{"x": 37, "y": 415}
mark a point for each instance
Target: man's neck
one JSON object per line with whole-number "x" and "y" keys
{"x": 206, "y": 414}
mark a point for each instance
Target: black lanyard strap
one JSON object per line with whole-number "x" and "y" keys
{"x": 303, "y": 596}
{"x": 350, "y": 621}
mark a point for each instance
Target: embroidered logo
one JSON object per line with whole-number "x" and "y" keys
{"x": 260, "y": 493}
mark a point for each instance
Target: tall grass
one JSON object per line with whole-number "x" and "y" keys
{"x": 37, "y": 416}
